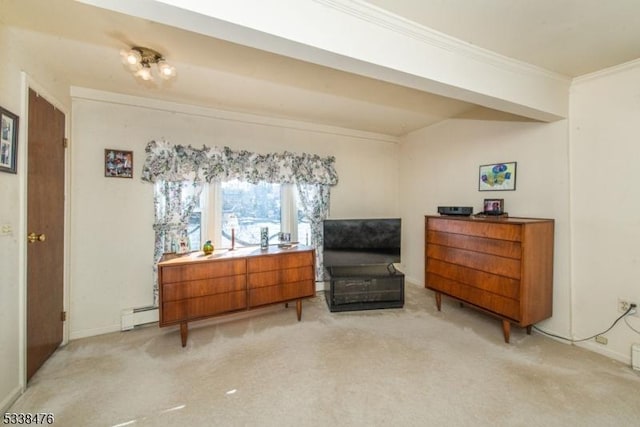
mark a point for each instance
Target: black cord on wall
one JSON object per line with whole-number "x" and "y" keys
{"x": 631, "y": 307}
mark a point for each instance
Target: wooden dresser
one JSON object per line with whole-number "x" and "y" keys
{"x": 198, "y": 286}
{"x": 503, "y": 266}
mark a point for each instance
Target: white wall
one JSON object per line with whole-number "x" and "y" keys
{"x": 605, "y": 216}
{"x": 9, "y": 248}
{"x": 16, "y": 59}
{"x": 439, "y": 167}
{"x": 111, "y": 236}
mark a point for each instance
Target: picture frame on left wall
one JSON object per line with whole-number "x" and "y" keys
{"x": 8, "y": 141}
{"x": 118, "y": 163}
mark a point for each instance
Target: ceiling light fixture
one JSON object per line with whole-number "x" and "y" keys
{"x": 140, "y": 59}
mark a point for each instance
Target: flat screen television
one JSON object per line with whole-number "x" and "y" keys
{"x": 361, "y": 241}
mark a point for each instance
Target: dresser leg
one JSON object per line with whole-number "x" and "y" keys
{"x": 438, "y": 300}
{"x": 299, "y": 309}
{"x": 184, "y": 332}
{"x": 529, "y": 329}
{"x": 506, "y": 329}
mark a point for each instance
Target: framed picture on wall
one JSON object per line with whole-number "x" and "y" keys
{"x": 118, "y": 163}
{"x": 497, "y": 177}
{"x": 8, "y": 141}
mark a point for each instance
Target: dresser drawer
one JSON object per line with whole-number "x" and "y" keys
{"x": 505, "y": 248}
{"x": 270, "y": 263}
{"x": 203, "y": 270}
{"x": 216, "y": 304}
{"x": 276, "y": 277}
{"x": 492, "y": 230}
{"x": 479, "y": 261}
{"x": 489, "y": 301}
{"x": 488, "y": 282}
{"x": 284, "y": 292}
{"x": 198, "y": 288}
{"x": 173, "y": 312}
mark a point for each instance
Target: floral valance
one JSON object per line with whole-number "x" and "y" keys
{"x": 172, "y": 163}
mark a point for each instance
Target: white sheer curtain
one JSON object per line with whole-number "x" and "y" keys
{"x": 289, "y": 211}
{"x": 212, "y": 213}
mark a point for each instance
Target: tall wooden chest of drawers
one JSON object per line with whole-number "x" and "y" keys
{"x": 198, "y": 286}
{"x": 503, "y": 266}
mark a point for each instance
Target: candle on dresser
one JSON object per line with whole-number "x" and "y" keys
{"x": 233, "y": 238}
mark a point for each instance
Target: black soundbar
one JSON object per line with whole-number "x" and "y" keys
{"x": 455, "y": 210}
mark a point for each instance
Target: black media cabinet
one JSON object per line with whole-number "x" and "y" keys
{"x": 364, "y": 287}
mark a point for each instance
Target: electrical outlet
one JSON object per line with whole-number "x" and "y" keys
{"x": 601, "y": 340}
{"x": 623, "y": 306}
{"x": 6, "y": 230}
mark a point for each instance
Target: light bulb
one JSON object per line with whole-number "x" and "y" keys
{"x": 144, "y": 73}
{"x": 166, "y": 70}
{"x": 131, "y": 57}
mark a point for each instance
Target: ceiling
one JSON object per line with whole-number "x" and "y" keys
{"x": 80, "y": 45}
{"x": 570, "y": 37}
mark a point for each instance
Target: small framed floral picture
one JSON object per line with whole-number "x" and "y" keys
{"x": 118, "y": 163}
{"x": 497, "y": 177}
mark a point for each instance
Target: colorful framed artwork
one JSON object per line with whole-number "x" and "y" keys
{"x": 118, "y": 163}
{"x": 8, "y": 141}
{"x": 497, "y": 177}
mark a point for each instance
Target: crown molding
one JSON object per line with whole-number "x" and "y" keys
{"x": 616, "y": 69}
{"x": 385, "y": 19}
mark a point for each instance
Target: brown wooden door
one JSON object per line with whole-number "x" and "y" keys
{"x": 45, "y": 225}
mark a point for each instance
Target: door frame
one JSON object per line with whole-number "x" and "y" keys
{"x": 27, "y": 82}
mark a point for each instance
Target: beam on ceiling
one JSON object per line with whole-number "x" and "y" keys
{"x": 356, "y": 37}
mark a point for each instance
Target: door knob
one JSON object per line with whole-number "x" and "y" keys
{"x": 33, "y": 237}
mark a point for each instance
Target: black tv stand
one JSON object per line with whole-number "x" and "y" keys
{"x": 364, "y": 287}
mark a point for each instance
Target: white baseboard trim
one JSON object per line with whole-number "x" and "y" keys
{"x": 86, "y": 333}
{"x": 132, "y": 317}
{"x": 598, "y": 348}
{"x": 10, "y": 399}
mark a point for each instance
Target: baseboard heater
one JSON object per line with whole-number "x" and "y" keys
{"x": 132, "y": 317}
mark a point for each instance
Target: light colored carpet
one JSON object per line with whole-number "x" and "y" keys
{"x": 407, "y": 367}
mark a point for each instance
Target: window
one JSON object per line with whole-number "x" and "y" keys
{"x": 194, "y": 226}
{"x": 245, "y": 208}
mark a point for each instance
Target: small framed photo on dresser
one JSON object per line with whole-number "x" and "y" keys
{"x": 493, "y": 206}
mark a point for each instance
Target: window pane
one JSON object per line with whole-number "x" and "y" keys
{"x": 194, "y": 226}
{"x": 194, "y": 230}
{"x": 248, "y": 207}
